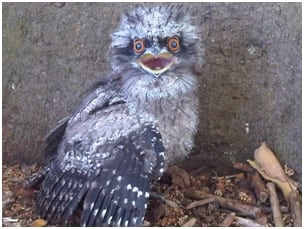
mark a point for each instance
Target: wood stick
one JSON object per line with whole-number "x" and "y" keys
{"x": 238, "y": 175}
{"x": 283, "y": 209}
{"x": 246, "y": 222}
{"x": 228, "y": 220}
{"x": 295, "y": 208}
{"x": 200, "y": 203}
{"x": 275, "y": 205}
{"x": 245, "y": 209}
{"x": 243, "y": 167}
{"x": 190, "y": 223}
{"x": 259, "y": 187}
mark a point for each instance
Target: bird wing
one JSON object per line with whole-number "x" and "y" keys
{"x": 97, "y": 97}
{"x": 114, "y": 195}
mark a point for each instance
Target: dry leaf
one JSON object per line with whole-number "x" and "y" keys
{"x": 268, "y": 162}
{"x": 39, "y": 223}
{"x": 179, "y": 176}
{"x": 270, "y": 168}
{"x": 18, "y": 190}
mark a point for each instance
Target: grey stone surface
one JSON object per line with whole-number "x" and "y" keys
{"x": 250, "y": 82}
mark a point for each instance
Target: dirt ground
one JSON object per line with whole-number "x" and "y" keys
{"x": 186, "y": 199}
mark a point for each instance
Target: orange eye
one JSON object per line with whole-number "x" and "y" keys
{"x": 138, "y": 45}
{"x": 173, "y": 44}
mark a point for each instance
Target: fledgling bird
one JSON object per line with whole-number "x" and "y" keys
{"x": 130, "y": 126}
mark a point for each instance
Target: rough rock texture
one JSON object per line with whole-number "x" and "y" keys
{"x": 250, "y": 83}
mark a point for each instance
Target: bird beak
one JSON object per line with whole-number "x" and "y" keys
{"x": 156, "y": 64}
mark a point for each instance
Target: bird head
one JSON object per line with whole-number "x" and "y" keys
{"x": 156, "y": 41}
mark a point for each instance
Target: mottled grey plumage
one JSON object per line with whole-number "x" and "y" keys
{"x": 129, "y": 127}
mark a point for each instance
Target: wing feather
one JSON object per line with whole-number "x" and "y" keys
{"x": 122, "y": 197}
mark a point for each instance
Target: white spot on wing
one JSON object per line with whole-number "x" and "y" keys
{"x": 91, "y": 206}
{"x": 110, "y": 219}
{"x": 129, "y": 186}
{"x": 134, "y": 220}
{"x": 139, "y": 194}
{"x": 126, "y": 223}
{"x": 95, "y": 212}
{"x": 103, "y": 213}
{"x": 135, "y": 189}
{"x": 118, "y": 222}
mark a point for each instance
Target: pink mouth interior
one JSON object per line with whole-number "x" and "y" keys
{"x": 157, "y": 63}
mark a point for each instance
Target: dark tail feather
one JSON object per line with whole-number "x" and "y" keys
{"x": 118, "y": 216}
{"x": 125, "y": 219}
{"x": 107, "y": 219}
{"x": 74, "y": 194}
{"x": 73, "y": 205}
{"x": 101, "y": 191}
{"x": 47, "y": 194}
{"x": 115, "y": 194}
{"x": 61, "y": 193}
{"x": 123, "y": 206}
{"x": 119, "y": 194}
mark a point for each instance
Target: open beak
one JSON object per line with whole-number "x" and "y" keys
{"x": 156, "y": 64}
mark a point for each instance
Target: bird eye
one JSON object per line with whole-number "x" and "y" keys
{"x": 138, "y": 46}
{"x": 173, "y": 44}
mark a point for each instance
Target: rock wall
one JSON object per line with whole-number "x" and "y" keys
{"x": 250, "y": 86}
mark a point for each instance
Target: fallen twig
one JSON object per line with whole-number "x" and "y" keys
{"x": 283, "y": 209}
{"x": 237, "y": 176}
{"x": 258, "y": 186}
{"x": 200, "y": 203}
{"x": 170, "y": 203}
{"x": 190, "y": 223}
{"x": 275, "y": 206}
{"x": 248, "y": 210}
{"x": 228, "y": 220}
{"x": 295, "y": 208}
{"x": 246, "y": 222}
{"x": 243, "y": 167}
